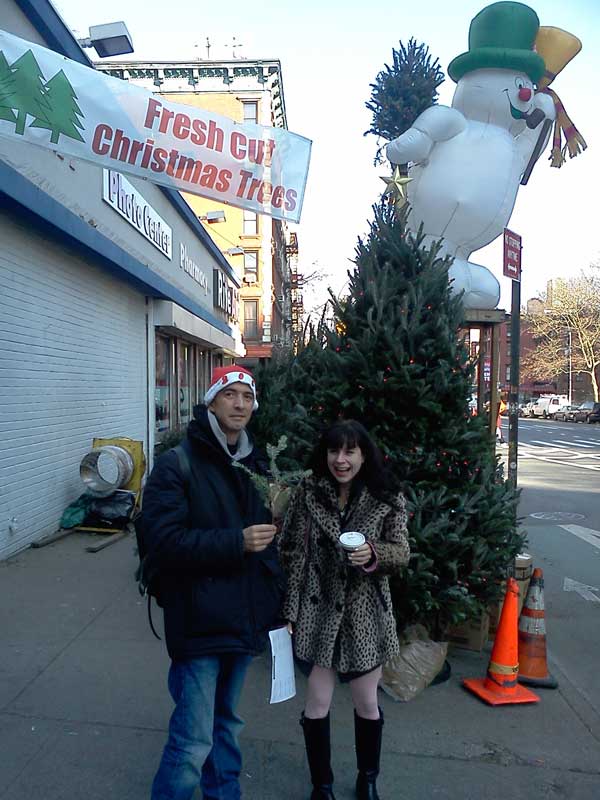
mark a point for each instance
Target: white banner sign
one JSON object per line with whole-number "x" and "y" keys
{"x": 51, "y": 101}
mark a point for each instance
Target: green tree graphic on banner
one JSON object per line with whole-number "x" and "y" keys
{"x": 64, "y": 111}
{"x": 6, "y": 111}
{"x": 22, "y": 89}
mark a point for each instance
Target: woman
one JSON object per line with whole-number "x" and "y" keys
{"x": 338, "y": 603}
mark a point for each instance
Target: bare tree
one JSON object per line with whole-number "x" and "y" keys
{"x": 314, "y": 290}
{"x": 567, "y": 330}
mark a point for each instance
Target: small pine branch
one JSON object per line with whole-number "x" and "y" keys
{"x": 275, "y": 493}
{"x": 260, "y": 482}
{"x": 273, "y": 451}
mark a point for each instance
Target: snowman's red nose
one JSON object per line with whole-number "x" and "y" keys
{"x": 524, "y": 93}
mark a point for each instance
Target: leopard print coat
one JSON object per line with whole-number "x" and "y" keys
{"x": 342, "y": 615}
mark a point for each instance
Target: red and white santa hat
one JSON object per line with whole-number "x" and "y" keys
{"x": 227, "y": 376}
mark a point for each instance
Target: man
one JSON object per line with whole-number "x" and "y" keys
{"x": 220, "y": 586}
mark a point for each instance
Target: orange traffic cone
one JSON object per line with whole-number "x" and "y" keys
{"x": 533, "y": 666}
{"x": 500, "y": 686}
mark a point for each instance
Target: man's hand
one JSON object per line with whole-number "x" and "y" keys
{"x": 258, "y": 537}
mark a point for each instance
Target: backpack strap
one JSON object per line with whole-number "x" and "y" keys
{"x": 184, "y": 466}
{"x": 152, "y": 628}
{"x": 186, "y": 471}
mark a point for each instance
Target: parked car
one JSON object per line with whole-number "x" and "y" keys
{"x": 587, "y": 412}
{"x": 565, "y": 414}
{"x": 562, "y": 405}
{"x": 546, "y": 406}
{"x": 527, "y": 408}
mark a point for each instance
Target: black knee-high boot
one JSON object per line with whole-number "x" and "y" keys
{"x": 318, "y": 752}
{"x": 367, "y": 734}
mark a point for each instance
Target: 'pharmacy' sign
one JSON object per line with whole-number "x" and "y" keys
{"x": 51, "y": 101}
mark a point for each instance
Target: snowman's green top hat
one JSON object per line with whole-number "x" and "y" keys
{"x": 501, "y": 36}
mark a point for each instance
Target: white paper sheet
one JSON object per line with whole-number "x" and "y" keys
{"x": 283, "y": 680}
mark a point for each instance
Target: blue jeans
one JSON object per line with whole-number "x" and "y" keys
{"x": 202, "y": 747}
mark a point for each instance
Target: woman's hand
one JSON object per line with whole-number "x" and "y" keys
{"x": 361, "y": 556}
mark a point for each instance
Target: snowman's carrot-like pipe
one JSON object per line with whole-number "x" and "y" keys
{"x": 534, "y": 119}
{"x": 537, "y": 150}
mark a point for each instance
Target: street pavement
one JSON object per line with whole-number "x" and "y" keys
{"x": 560, "y": 507}
{"x": 84, "y": 707}
{"x": 560, "y": 444}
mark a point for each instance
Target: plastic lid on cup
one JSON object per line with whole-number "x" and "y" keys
{"x": 350, "y": 540}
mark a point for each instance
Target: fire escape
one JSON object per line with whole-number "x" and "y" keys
{"x": 296, "y": 284}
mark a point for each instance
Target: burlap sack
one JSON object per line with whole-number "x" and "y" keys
{"x": 419, "y": 661}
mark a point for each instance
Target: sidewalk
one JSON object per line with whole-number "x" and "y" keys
{"x": 84, "y": 706}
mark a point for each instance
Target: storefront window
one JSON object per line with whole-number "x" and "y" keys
{"x": 203, "y": 372}
{"x": 185, "y": 381}
{"x": 162, "y": 385}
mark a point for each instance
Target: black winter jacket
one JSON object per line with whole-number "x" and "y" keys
{"x": 216, "y": 598}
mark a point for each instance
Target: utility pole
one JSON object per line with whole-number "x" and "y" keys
{"x": 570, "y": 333}
{"x": 207, "y": 49}
{"x": 513, "y": 398}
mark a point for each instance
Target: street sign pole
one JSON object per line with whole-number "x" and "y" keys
{"x": 512, "y": 269}
{"x": 513, "y": 397}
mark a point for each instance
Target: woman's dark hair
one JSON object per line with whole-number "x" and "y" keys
{"x": 350, "y": 433}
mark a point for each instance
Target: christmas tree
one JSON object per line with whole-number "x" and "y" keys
{"x": 393, "y": 358}
{"x": 22, "y": 89}
{"x": 402, "y": 91}
{"x": 64, "y": 113}
{"x": 288, "y": 385}
{"x": 5, "y": 76}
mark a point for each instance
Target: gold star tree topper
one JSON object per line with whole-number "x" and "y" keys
{"x": 395, "y": 187}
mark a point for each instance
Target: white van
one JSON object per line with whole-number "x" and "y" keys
{"x": 547, "y": 405}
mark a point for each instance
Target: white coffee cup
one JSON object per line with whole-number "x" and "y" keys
{"x": 352, "y": 540}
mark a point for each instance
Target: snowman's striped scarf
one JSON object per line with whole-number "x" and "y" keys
{"x": 574, "y": 141}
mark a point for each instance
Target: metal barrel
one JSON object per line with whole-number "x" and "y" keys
{"x": 105, "y": 469}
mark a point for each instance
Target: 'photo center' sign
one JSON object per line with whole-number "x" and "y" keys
{"x": 131, "y": 205}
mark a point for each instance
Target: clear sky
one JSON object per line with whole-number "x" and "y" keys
{"x": 330, "y": 52}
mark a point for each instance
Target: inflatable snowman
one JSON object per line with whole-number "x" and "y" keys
{"x": 467, "y": 162}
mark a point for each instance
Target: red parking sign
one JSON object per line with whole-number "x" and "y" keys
{"x": 512, "y": 255}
